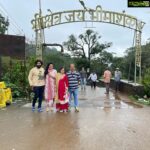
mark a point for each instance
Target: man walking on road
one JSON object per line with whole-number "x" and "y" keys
{"x": 83, "y": 75}
{"x": 117, "y": 79}
{"x": 107, "y": 77}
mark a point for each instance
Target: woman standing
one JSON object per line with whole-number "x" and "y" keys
{"x": 62, "y": 91}
{"x": 50, "y": 85}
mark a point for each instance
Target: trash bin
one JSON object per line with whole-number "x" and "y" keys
{"x": 2, "y": 85}
{"x": 2, "y": 98}
{"x": 5, "y": 95}
{"x": 8, "y": 95}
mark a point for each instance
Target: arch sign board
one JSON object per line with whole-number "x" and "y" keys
{"x": 97, "y": 15}
{"x": 40, "y": 22}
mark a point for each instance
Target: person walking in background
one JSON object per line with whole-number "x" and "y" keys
{"x": 37, "y": 83}
{"x": 74, "y": 79}
{"x": 107, "y": 77}
{"x": 93, "y": 78}
{"x": 50, "y": 85}
{"x": 62, "y": 95}
{"x": 83, "y": 76}
{"x": 117, "y": 78}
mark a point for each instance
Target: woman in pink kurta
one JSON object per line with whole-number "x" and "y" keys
{"x": 50, "y": 85}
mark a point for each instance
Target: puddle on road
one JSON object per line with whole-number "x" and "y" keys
{"x": 97, "y": 99}
{"x": 133, "y": 104}
{"x": 111, "y": 101}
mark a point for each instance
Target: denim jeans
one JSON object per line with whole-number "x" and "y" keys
{"x": 117, "y": 85}
{"x": 74, "y": 92}
{"x": 38, "y": 94}
{"x": 83, "y": 83}
{"x": 107, "y": 87}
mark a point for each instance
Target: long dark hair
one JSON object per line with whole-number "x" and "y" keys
{"x": 46, "y": 69}
{"x": 61, "y": 68}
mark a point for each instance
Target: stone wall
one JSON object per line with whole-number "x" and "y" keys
{"x": 125, "y": 87}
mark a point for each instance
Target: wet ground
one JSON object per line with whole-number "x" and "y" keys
{"x": 104, "y": 123}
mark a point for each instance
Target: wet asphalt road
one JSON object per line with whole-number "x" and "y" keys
{"x": 103, "y": 123}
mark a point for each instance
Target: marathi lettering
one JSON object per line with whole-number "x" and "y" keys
{"x": 97, "y": 15}
{"x": 130, "y": 21}
{"x": 80, "y": 16}
{"x": 107, "y": 16}
{"x": 70, "y": 17}
{"x": 56, "y": 18}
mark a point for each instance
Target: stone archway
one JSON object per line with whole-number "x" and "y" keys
{"x": 41, "y": 22}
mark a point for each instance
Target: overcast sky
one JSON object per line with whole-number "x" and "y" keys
{"x": 22, "y": 11}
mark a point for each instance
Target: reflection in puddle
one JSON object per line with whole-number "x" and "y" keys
{"x": 98, "y": 99}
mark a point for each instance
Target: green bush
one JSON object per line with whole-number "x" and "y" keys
{"x": 146, "y": 82}
{"x": 16, "y": 77}
{"x": 81, "y": 62}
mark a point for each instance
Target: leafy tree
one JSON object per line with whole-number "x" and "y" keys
{"x": 58, "y": 59}
{"x": 100, "y": 63}
{"x": 3, "y": 24}
{"x": 128, "y": 61}
{"x": 81, "y": 62}
{"x": 146, "y": 82}
{"x": 88, "y": 41}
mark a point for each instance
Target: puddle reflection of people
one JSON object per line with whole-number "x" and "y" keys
{"x": 107, "y": 97}
{"x": 107, "y": 76}
{"x": 117, "y": 97}
{"x": 107, "y": 104}
{"x": 117, "y": 100}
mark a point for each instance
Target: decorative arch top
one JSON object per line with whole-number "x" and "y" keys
{"x": 91, "y": 15}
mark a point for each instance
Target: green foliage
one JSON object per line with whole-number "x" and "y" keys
{"x": 30, "y": 50}
{"x": 88, "y": 41}
{"x": 15, "y": 79}
{"x": 58, "y": 59}
{"x": 146, "y": 82}
{"x": 3, "y": 24}
{"x": 99, "y": 64}
{"x": 139, "y": 100}
{"x": 127, "y": 63}
{"x": 81, "y": 62}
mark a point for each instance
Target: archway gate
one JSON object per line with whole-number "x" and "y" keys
{"x": 41, "y": 22}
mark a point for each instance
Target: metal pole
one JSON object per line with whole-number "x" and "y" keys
{"x": 140, "y": 71}
{"x": 39, "y": 35}
{"x": 138, "y": 54}
{"x": 140, "y": 75}
{"x": 135, "y": 59}
{"x": 133, "y": 44}
{"x": 40, "y": 8}
{"x": 135, "y": 70}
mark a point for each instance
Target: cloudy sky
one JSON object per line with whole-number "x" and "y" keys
{"x": 22, "y": 12}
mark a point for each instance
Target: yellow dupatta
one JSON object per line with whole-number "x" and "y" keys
{"x": 58, "y": 77}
